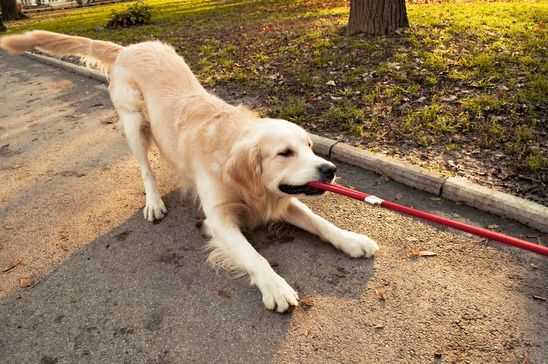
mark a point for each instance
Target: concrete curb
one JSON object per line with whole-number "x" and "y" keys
{"x": 452, "y": 188}
{"x": 498, "y": 203}
{"x": 402, "y": 172}
{"x": 83, "y": 71}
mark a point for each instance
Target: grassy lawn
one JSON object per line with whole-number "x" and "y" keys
{"x": 464, "y": 90}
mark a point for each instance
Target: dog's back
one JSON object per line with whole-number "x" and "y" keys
{"x": 159, "y": 72}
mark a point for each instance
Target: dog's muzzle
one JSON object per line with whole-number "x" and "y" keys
{"x": 326, "y": 173}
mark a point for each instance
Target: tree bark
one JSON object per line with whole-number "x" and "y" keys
{"x": 377, "y": 17}
{"x": 2, "y": 26}
{"x": 11, "y": 10}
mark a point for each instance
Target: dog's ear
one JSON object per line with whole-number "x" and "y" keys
{"x": 244, "y": 167}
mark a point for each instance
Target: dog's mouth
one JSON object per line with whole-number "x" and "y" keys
{"x": 300, "y": 190}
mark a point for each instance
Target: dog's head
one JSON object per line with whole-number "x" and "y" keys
{"x": 277, "y": 156}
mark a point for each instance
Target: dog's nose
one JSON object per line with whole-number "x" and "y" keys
{"x": 327, "y": 172}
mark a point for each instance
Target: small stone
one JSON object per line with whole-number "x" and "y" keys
{"x": 25, "y": 282}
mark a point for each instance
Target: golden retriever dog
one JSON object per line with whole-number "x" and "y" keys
{"x": 246, "y": 170}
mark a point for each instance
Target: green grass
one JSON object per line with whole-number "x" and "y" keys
{"x": 467, "y": 75}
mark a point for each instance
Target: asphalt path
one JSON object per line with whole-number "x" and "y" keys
{"x": 85, "y": 279}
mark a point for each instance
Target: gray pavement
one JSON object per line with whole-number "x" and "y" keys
{"x": 108, "y": 287}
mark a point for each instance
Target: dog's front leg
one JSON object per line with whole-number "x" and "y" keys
{"x": 232, "y": 251}
{"x": 355, "y": 245}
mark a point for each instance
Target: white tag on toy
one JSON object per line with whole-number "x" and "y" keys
{"x": 373, "y": 200}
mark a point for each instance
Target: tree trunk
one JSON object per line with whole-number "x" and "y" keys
{"x": 377, "y": 17}
{"x": 2, "y": 26}
{"x": 11, "y": 10}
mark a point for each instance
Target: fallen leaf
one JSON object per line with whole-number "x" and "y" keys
{"x": 380, "y": 294}
{"x": 25, "y": 282}
{"x": 224, "y": 293}
{"x": 493, "y": 226}
{"x": 331, "y": 83}
{"x": 540, "y": 298}
{"x": 71, "y": 174}
{"x": 450, "y": 98}
{"x": 379, "y": 326}
{"x": 307, "y": 303}
{"x": 422, "y": 253}
{"x": 12, "y": 266}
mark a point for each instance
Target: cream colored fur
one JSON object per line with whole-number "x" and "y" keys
{"x": 235, "y": 161}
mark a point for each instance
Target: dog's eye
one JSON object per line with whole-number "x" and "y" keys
{"x": 286, "y": 153}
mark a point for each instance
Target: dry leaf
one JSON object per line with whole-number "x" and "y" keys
{"x": 307, "y": 303}
{"x": 493, "y": 226}
{"x": 25, "y": 282}
{"x": 380, "y": 294}
{"x": 379, "y": 326}
{"x": 413, "y": 253}
{"x": 224, "y": 293}
{"x": 540, "y": 298}
{"x": 12, "y": 266}
{"x": 421, "y": 253}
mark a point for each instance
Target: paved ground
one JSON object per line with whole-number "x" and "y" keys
{"x": 108, "y": 287}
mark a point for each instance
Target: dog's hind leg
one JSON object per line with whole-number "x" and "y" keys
{"x": 128, "y": 101}
{"x": 139, "y": 141}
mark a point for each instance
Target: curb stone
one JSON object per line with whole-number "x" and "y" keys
{"x": 83, "y": 71}
{"x": 453, "y": 188}
{"x": 323, "y": 146}
{"x": 405, "y": 173}
{"x": 498, "y": 203}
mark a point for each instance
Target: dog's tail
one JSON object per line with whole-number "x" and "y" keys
{"x": 62, "y": 45}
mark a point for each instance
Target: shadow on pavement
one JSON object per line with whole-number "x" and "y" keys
{"x": 143, "y": 293}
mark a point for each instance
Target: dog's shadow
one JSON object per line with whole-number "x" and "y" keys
{"x": 147, "y": 289}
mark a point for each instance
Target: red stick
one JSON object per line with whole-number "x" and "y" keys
{"x": 341, "y": 190}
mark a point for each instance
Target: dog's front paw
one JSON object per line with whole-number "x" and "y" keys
{"x": 277, "y": 294}
{"x": 154, "y": 209}
{"x": 356, "y": 245}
